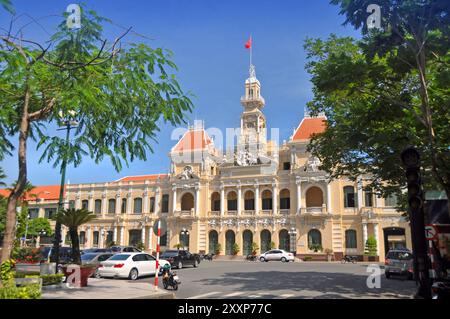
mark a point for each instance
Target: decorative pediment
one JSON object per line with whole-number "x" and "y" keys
{"x": 187, "y": 173}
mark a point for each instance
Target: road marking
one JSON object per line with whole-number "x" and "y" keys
{"x": 254, "y": 296}
{"x": 233, "y": 294}
{"x": 204, "y": 295}
{"x": 287, "y": 295}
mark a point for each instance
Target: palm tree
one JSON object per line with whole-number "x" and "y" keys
{"x": 2, "y": 177}
{"x": 73, "y": 218}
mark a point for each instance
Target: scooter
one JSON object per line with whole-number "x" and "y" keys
{"x": 170, "y": 279}
{"x": 208, "y": 257}
{"x": 441, "y": 290}
{"x": 251, "y": 257}
{"x": 348, "y": 259}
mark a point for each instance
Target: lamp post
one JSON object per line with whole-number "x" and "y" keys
{"x": 411, "y": 160}
{"x": 65, "y": 124}
{"x": 184, "y": 234}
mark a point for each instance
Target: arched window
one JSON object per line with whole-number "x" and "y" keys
{"x": 111, "y": 206}
{"x": 249, "y": 200}
{"x": 283, "y": 239}
{"x": 98, "y": 206}
{"x": 215, "y": 202}
{"x": 137, "y": 206}
{"x": 314, "y": 197}
{"x": 350, "y": 238}
{"x": 247, "y": 242}
{"x": 266, "y": 240}
{"x": 314, "y": 240}
{"x": 349, "y": 196}
{"x": 213, "y": 237}
{"x": 165, "y": 203}
{"x": 187, "y": 202}
{"x": 123, "y": 209}
{"x": 229, "y": 242}
{"x": 266, "y": 200}
{"x": 152, "y": 204}
{"x": 285, "y": 199}
{"x": 231, "y": 201}
{"x": 82, "y": 237}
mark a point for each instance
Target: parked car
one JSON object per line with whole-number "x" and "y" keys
{"x": 65, "y": 255}
{"x": 399, "y": 262}
{"x": 94, "y": 259}
{"x": 95, "y": 250}
{"x": 277, "y": 254}
{"x": 180, "y": 258}
{"x": 124, "y": 249}
{"x": 130, "y": 265}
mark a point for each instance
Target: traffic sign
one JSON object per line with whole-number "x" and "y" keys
{"x": 430, "y": 232}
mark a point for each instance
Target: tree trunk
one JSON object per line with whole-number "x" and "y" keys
{"x": 16, "y": 193}
{"x": 76, "y": 256}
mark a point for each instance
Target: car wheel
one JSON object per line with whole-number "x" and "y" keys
{"x": 97, "y": 274}
{"x": 134, "y": 274}
{"x": 261, "y": 259}
{"x": 387, "y": 275}
{"x": 283, "y": 259}
{"x": 180, "y": 265}
{"x": 195, "y": 264}
{"x": 175, "y": 287}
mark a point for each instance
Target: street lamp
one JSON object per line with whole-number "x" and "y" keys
{"x": 65, "y": 124}
{"x": 184, "y": 234}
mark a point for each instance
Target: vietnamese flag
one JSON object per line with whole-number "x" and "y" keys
{"x": 248, "y": 44}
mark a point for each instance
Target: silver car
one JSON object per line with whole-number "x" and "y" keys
{"x": 278, "y": 255}
{"x": 399, "y": 262}
{"x": 94, "y": 259}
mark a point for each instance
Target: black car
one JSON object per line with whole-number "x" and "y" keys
{"x": 95, "y": 250}
{"x": 65, "y": 255}
{"x": 180, "y": 258}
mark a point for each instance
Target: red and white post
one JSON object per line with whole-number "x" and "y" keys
{"x": 158, "y": 236}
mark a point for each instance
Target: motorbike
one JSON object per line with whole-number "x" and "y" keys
{"x": 251, "y": 257}
{"x": 349, "y": 259}
{"x": 170, "y": 279}
{"x": 208, "y": 257}
{"x": 441, "y": 290}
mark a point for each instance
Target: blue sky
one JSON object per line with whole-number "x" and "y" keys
{"x": 207, "y": 38}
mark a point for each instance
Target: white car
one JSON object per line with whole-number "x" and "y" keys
{"x": 129, "y": 265}
{"x": 277, "y": 254}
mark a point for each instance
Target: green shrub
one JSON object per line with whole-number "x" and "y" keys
{"x": 6, "y": 271}
{"x": 218, "y": 248}
{"x": 235, "y": 249}
{"x": 371, "y": 246}
{"x": 32, "y": 291}
{"x": 52, "y": 279}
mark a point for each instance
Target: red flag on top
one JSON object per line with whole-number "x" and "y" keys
{"x": 248, "y": 44}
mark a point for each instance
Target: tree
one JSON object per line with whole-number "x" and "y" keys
{"x": 6, "y": 4}
{"x": 35, "y": 226}
{"x": 73, "y": 218}
{"x": 371, "y": 246}
{"x": 116, "y": 93}
{"x": 384, "y": 92}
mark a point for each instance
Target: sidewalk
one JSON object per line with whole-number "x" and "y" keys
{"x": 109, "y": 289}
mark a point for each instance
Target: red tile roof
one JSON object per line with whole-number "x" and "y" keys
{"x": 193, "y": 140}
{"x": 50, "y": 192}
{"x": 141, "y": 178}
{"x": 309, "y": 126}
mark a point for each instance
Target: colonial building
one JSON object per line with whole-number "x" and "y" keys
{"x": 257, "y": 192}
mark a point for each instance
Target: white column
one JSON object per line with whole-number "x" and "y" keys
{"x": 157, "y": 200}
{"x": 143, "y": 237}
{"x": 197, "y": 199}
{"x": 364, "y": 234}
{"x": 78, "y": 200}
{"x": 104, "y": 203}
{"x": 329, "y": 197}
{"x": 145, "y": 202}
{"x": 115, "y": 235}
{"x": 129, "y": 202}
{"x": 88, "y": 237}
{"x": 222, "y": 200}
{"x": 299, "y": 196}
{"x": 91, "y": 202}
{"x": 360, "y": 194}
{"x": 257, "y": 199}
{"x": 118, "y": 204}
{"x": 150, "y": 238}
{"x": 122, "y": 231}
{"x": 275, "y": 198}
{"x": 375, "y": 230}
{"x": 239, "y": 199}
{"x": 174, "y": 199}
{"x": 101, "y": 237}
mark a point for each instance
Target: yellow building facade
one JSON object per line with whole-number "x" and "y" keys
{"x": 253, "y": 192}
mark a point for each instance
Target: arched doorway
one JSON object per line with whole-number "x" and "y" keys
{"x": 265, "y": 241}
{"x": 213, "y": 239}
{"x": 315, "y": 240}
{"x": 394, "y": 238}
{"x": 229, "y": 242}
{"x": 187, "y": 202}
{"x": 314, "y": 197}
{"x": 247, "y": 239}
{"x": 283, "y": 239}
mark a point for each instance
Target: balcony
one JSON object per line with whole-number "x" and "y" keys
{"x": 231, "y": 213}
{"x": 184, "y": 213}
{"x": 260, "y": 99}
{"x": 314, "y": 211}
{"x": 267, "y": 212}
{"x": 248, "y": 213}
{"x": 284, "y": 212}
{"x": 215, "y": 213}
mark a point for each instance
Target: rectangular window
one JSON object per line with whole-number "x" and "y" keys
{"x": 249, "y": 204}
{"x": 216, "y": 205}
{"x": 391, "y": 201}
{"x": 286, "y": 166}
{"x": 137, "y": 206}
{"x": 111, "y": 206}
{"x": 33, "y": 213}
{"x": 123, "y": 209}
{"x": 85, "y": 204}
{"x": 285, "y": 203}
{"x": 368, "y": 199}
{"x": 95, "y": 239}
{"x": 98, "y": 206}
{"x": 82, "y": 238}
{"x": 267, "y": 203}
{"x": 152, "y": 204}
{"x": 232, "y": 204}
{"x": 50, "y": 212}
{"x": 165, "y": 204}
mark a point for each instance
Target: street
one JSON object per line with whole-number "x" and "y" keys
{"x": 251, "y": 280}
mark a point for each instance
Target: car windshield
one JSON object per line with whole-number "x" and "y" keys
{"x": 88, "y": 257}
{"x": 120, "y": 257}
{"x": 400, "y": 255}
{"x": 115, "y": 249}
{"x": 170, "y": 253}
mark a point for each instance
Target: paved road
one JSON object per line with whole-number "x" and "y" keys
{"x": 252, "y": 280}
